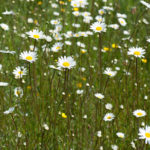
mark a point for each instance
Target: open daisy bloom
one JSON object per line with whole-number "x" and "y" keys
{"x": 19, "y": 72}
{"x": 122, "y": 22}
{"x": 120, "y": 135}
{"x": 66, "y": 62}
{"x": 109, "y": 72}
{"x": 99, "y": 95}
{"x": 136, "y": 51}
{"x": 35, "y": 34}
{"x": 144, "y": 133}
{"x": 98, "y": 27}
{"x": 139, "y": 113}
{"x": 18, "y": 92}
{"x": 57, "y": 46}
{"x": 109, "y": 117}
{"x": 28, "y": 56}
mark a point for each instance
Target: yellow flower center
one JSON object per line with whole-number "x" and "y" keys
{"x": 139, "y": 114}
{"x": 121, "y": 136}
{"x": 121, "y": 22}
{"x": 109, "y": 74}
{"x": 29, "y": 58}
{"x": 58, "y": 47}
{"x": 20, "y": 72}
{"x": 99, "y": 96}
{"x": 101, "y": 12}
{"x": 36, "y": 36}
{"x": 99, "y": 28}
{"x": 75, "y": 9}
{"x": 66, "y": 64}
{"x": 137, "y": 53}
{"x": 147, "y": 135}
{"x": 18, "y": 92}
{"x": 109, "y": 117}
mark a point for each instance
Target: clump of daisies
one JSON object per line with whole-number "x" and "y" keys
{"x": 66, "y": 62}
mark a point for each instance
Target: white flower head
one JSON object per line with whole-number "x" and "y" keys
{"x": 108, "y": 106}
{"x": 109, "y": 72}
{"x": 18, "y": 92}
{"x": 57, "y": 47}
{"x": 139, "y": 113}
{"x": 99, "y": 95}
{"x": 136, "y": 51}
{"x": 29, "y": 56}
{"x": 19, "y": 72}
{"x": 109, "y": 117}
{"x": 145, "y": 3}
{"x": 98, "y": 27}
{"x": 3, "y": 84}
{"x": 144, "y": 133}
{"x": 10, "y": 110}
{"x": 120, "y": 135}
{"x": 4, "y": 26}
{"x": 66, "y": 62}
{"x": 35, "y": 34}
{"x": 122, "y": 22}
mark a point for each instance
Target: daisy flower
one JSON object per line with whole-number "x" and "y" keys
{"x": 120, "y": 134}
{"x": 8, "y": 13}
{"x": 99, "y": 95}
{"x": 18, "y": 92}
{"x": 10, "y": 110}
{"x": 4, "y": 26}
{"x": 148, "y": 40}
{"x": 57, "y": 46}
{"x": 35, "y": 34}
{"x": 19, "y": 72}
{"x": 108, "y": 106}
{"x": 114, "y": 26}
{"x": 98, "y": 27}
{"x": 28, "y": 56}
{"x": 109, "y": 72}
{"x": 3, "y": 84}
{"x": 99, "y": 18}
{"x": 99, "y": 133}
{"x": 145, "y": 4}
{"x": 66, "y": 62}
{"x": 139, "y": 113}
{"x": 122, "y": 21}
{"x": 109, "y": 117}
{"x": 144, "y": 133}
{"x": 136, "y": 51}
{"x": 101, "y": 11}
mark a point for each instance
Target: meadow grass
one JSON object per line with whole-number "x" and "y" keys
{"x": 66, "y": 106}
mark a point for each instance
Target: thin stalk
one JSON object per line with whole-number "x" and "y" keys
{"x": 100, "y": 59}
